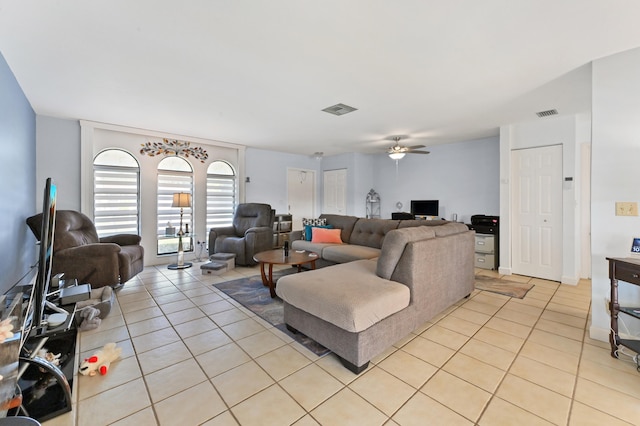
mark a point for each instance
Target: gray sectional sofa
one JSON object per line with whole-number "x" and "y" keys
{"x": 362, "y": 238}
{"x": 359, "y": 308}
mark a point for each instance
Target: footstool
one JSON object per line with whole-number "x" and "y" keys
{"x": 228, "y": 258}
{"x": 213, "y": 268}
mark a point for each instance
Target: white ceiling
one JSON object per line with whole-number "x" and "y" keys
{"x": 259, "y": 72}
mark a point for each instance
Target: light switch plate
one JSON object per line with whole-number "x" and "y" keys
{"x": 626, "y": 208}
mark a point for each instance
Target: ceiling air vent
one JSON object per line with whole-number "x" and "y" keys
{"x": 547, "y": 113}
{"x": 339, "y": 109}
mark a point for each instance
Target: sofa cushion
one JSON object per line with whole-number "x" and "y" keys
{"x": 73, "y": 229}
{"x": 371, "y": 232}
{"x": 308, "y": 230}
{"x": 309, "y": 246}
{"x": 326, "y": 236}
{"x": 450, "y": 228}
{"x": 251, "y": 215}
{"x": 394, "y": 245}
{"x": 315, "y": 222}
{"x": 231, "y": 244}
{"x": 343, "y": 222}
{"x": 348, "y": 253}
{"x": 350, "y": 296}
{"x": 421, "y": 222}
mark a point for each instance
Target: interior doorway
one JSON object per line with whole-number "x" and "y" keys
{"x": 335, "y": 191}
{"x": 537, "y": 212}
{"x": 301, "y": 195}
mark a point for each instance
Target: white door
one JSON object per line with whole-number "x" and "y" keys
{"x": 301, "y": 195}
{"x": 537, "y": 212}
{"x": 335, "y": 191}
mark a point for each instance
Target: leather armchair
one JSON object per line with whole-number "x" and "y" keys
{"x": 251, "y": 233}
{"x": 81, "y": 254}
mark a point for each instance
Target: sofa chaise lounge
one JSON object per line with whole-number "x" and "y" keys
{"x": 358, "y": 309}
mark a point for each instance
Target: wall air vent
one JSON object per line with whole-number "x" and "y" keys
{"x": 339, "y": 109}
{"x": 547, "y": 113}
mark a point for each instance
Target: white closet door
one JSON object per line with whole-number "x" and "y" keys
{"x": 301, "y": 195}
{"x": 335, "y": 191}
{"x": 537, "y": 212}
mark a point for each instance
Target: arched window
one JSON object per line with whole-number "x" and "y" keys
{"x": 116, "y": 189}
{"x": 175, "y": 174}
{"x": 221, "y": 194}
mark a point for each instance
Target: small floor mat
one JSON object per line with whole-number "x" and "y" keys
{"x": 505, "y": 287}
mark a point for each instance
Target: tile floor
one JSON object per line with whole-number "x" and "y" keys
{"x": 192, "y": 356}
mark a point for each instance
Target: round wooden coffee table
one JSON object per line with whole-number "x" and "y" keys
{"x": 277, "y": 257}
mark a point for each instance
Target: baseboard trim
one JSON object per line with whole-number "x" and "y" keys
{"x": 599, "y": 333}
{"x": 570, "y": 280}
{"x": 504, "y": 271}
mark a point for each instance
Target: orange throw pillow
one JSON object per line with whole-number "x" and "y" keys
{"x": 322, "y": 235}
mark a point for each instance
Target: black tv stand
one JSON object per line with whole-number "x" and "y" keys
{"x": 45, "y": 387}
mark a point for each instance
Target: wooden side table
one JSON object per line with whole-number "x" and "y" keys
{"x": 627, "y": 270}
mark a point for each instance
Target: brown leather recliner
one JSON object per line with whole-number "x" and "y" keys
{"x": 251, "y": 233}
{"x": 81, "y": 254}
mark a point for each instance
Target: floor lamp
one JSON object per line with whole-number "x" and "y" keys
{"x": 182, "y": 200}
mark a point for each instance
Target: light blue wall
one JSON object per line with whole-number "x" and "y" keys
{"x": 464, "y": 176}
{"x": 360, "y": 171}
{"x": 58, "y": 157}
{"x": 17, "y": 174}
{"x": 614, "y": 177}
{"x": 267, "y": 171}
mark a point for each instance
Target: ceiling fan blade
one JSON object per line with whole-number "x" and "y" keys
{"x": 400, "y": 149}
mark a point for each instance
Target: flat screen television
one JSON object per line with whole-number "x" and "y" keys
{"x": 425, "y": 207}
{"x": 41, "y": 287}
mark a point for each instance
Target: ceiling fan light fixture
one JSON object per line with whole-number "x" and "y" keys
{"x": 396, "y": 155}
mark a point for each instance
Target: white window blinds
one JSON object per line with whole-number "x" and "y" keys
{"x": 221, "y": 194}
{"x": 221, "y": 200}
{"x": 168, "y": 184}
{"x": 116, "y": 206}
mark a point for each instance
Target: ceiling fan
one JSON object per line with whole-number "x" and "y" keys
{"x": 398, "y": 151}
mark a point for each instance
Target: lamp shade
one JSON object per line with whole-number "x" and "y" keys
{"x": 396, "y": 155}
{"x": 181, "y": 199}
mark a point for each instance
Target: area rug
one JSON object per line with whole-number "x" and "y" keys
{"x": 251, "y": 294}
{"x": 505, "y": 287}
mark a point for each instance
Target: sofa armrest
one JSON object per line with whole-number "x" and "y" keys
{"x": 222, "y": 230}
{"x": 214, "y": 232}
{"x": 122, "y": 239}
{"x": 259, "y": 230}
{"x": 96, "y": 264}
{"x": 258, "y": 239}
{"x": 88, "y": 251}
{"x": 296, "y": 235}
